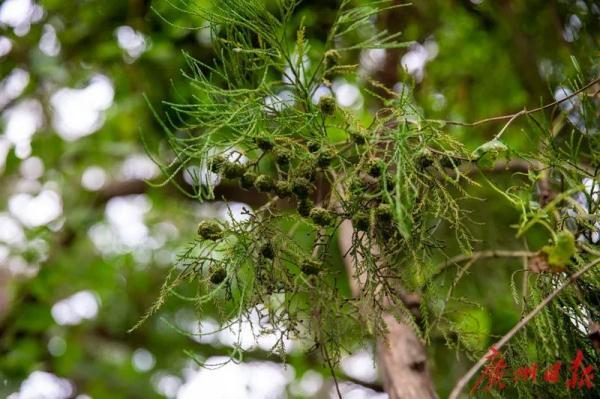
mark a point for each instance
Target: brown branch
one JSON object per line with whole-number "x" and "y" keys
{"x": 401, "y": 354}
{"x": 226, "y": 190}
{"x": 494, "y": 253}
{"x": 460, "y": 385}
{"x": 119, "y": 189}
{"x": 476, "y": 256}
{"x": 513, "y": 166}
{"x": 524, "y": 111}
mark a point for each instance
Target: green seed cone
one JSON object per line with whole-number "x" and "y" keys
{"x": 301, "y": 187}
{"x": 210, "y": 230}
{"x": 218, "y": 275}
{"x": 247, "y": 180}
{"x": 264, "y": 143}
{"x": 313, "y": 146}
{"x": 264, "y": 183}
{"x": 233, "y": 170}
{"x": 283, "y": 158}
{"x": 321, "y": 216}
{"x": 283, "y": 188}
{"x": 361, "y": 221}
{"x": 267, "y": 250}
{"x": 304, "y": 206}
{"x": 375, "y": 167}
{"x": 325, "y": 157}
{"x": 327, "y": 105}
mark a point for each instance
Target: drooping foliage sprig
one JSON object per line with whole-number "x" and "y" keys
{"x": 255, "y": 118}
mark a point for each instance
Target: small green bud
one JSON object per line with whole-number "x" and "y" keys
{"x": 283, "y": 188}
{"x": 301, "y": 187}
{"x": 310, "y": 267}
{"x": 267, "y": 250}
{"x": 358, "y": 138}
{"x": 321, "y": 216}
{"x": 307, "y": 170}
{"x": 375, "y": 167}
{"x": 361, "y": 221}
{"x": 264, "y": 143}
{"x": 325, "y": 157}
{"x": 304, "y": 206}
{"x": 217, "y": 164}
{"x": 283, "y": 157}
{"x": 247, "y": 180}
{"x": 210, "y": 230}
{"x": 264, "y": 183}
{"x": 218, "y": 275}
{"x": 233, "y": 170}
{"x": 314, "y": 146}
{"x": 327, "y": 105}
{"x": 424, "y": 158}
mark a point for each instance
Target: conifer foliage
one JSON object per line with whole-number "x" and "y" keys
{"x": 400, "y": 178}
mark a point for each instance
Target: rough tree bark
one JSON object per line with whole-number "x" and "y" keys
{"x": 401, "y": 354}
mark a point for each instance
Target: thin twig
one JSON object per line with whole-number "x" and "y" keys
{"x": 268, "y": 204}
{"x": 525, "y": 111}
{"x": 511, "y": 120}
{"x": 332, "y": 369}
{"x": 493, "y": 253}
{"x": 460, "y": 385}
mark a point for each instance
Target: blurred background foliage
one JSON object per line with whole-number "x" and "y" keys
{"x": 85, "y": 243}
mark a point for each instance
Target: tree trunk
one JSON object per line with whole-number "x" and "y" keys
{"x": 402, "y": 356}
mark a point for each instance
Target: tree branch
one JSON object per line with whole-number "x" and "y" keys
{"x": 227, "y": 190}
{"x": 401, "y": 354}
{"x": 493, "y": 253}
{"x": 524, "y": 111}
{"x": 460, "y": 385}
{"x": 475, "y": 256}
